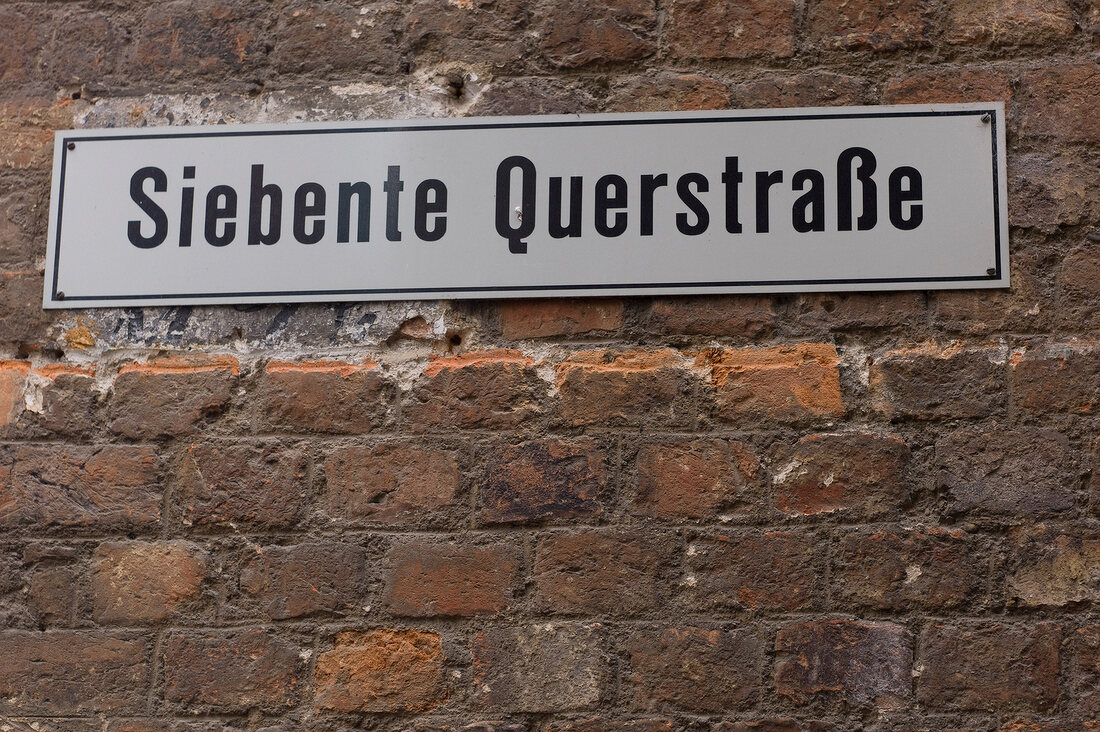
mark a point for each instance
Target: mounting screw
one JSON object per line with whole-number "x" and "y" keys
{"x": 59, "y": 296}
{"x": 986, "y": 118}
{"x": 71, "y": 146}
{"x": 992, "y": 271}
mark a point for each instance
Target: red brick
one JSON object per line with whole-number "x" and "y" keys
{"x": 1062, "y": 102}
{"x": 728, "y": 29}
{"x": 479, "y": 31}
{"x": 26, "y": 136}
{"x": 263, "y": 485}
{"x": 697, "y": 479}
{"x": 663, "y": 91}
{"x": 479, "y": 390}
{"x": 577, "y": 33}
{"x": 1005, "y": 472}
{"x": 145, "y": 582}
{"x": 747, "y": 316}
{"x": 625, "y": 389}
{"x": 600, "y": 572}
{"x": 901, "y": 570}
{"x": 949, "y": 85}
{"x": 12, "y": 376}
{"x": 363, "y": 39}
{"x": 230, "y": 670}
{"x": 870, "y": 24}
{"x": 392, "y": 483}
{"x": 860, "y": 662}
{"x": 72, "y": 673}
{"x": 322, "y": 396}
{"x": 112, "y": 487}
{"x": 381, "y": 671}
{"x": 1053, "y": 566}
{"x": 432, "y": 580}
{"x": 306, "y": 579}
{"x": 1084, "y": 645}
{"x": 786, "y": 383}
{"x": 208, "y": 37}
{"x": 550, "y": 318}
{"x": 860, "y": 474}
{"x": 695, "y": 670}
{"x": 1057, "y": 380}
{"x": 1015, "y": 22}
{"x": 930, "y": 382}
{"x": 992, "y": 667}
{"x": 544, "y": 479}
{"x": 171, "y": 396}
{"x": 759, "y": 570}
{"x": 805, "y": 89}
{"x": 776, "y": 725}
{"x": 541, "y": 668}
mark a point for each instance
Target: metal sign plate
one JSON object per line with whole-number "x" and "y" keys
{"x": 796, "y": 200}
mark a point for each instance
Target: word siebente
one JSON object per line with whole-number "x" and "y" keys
{"x": 516, "y": 218}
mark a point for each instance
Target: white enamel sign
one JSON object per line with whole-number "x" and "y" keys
{"x": 864, "y": 198}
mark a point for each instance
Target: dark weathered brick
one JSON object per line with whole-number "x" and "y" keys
{"x": 391, "y": 483}
{"x": 697, "y": 479}
{"x": 264, "y": 485}
{"x": 110, "y": 487}
{"x": 859, "y": 474}
{"x": 73, "y": 673}
{"x": 479, "y": 31}
{"x": 898, "y": 569}
{"x": 1005, "y": 472}
{"x": 861, "y": 662}
{"x": 145, "y": 582}
{"x": 986, "y": 666}
{"x": 622, "y": 389}
{"x": 759, "y": 570}
{"x": 577, "y": 33}
{"x": 1018, "y": 22}
{"x": 933, "y": 383}
{"x": 306, "y": 579}
{"x": 207, "y": 37}
{"x": 674, "y": 668}
{"x": 171, "y": 396}
{"x": 807, "y": 89}
{"x": 364, "y": 39}
{"x": 1062, "y": 102}
{"x": 230, "y": 669}
{"x": 725, "y": 29}
{"x": 1057, "y": 380}
{"x": 868, "y": 24}
{"x": 1084, "y": 650}
{"x": 542, "y": 668}
{"x": 430, "y": 580}
{"x": 543, "y": 479}
{"x": 486, "y": 390}
{"x": 381, "y": 671}
{"x": 747, "y": 316}
{"x": 664, "y": 91}
{"x": 1050, "y": 191}
{"x": 1053, "y": 566}
{"x": 600, "y": 572}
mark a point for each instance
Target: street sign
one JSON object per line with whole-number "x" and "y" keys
{"x": 761, "y": 201}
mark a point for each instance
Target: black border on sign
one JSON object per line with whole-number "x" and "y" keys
{"x": 518, "y": 125}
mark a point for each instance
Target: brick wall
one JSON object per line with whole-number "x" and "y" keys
{"x": 786, "y": 513}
